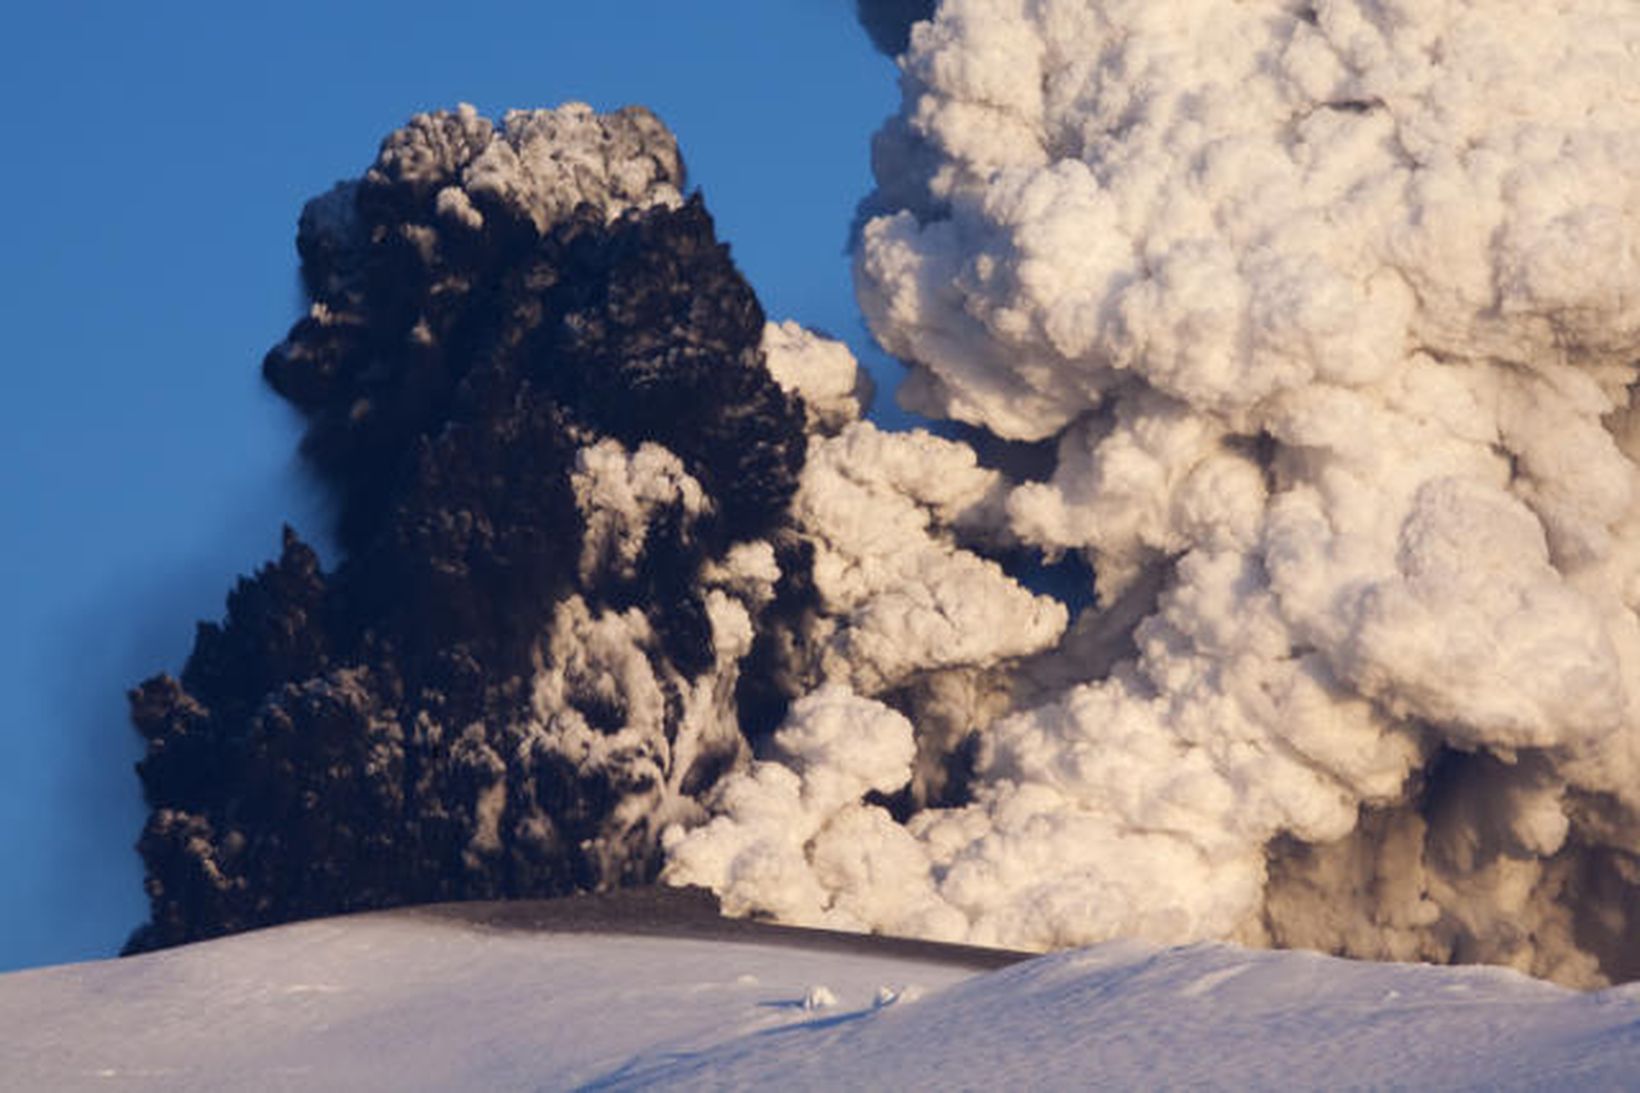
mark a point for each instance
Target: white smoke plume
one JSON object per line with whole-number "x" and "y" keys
{"x": 618, "y": 493}
{"x": 1330, "y": 309}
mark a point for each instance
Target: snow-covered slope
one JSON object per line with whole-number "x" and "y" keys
{"x": 416, "y": 1001}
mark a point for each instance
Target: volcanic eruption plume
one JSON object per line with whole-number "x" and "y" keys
{"x": 1304, "y": 332}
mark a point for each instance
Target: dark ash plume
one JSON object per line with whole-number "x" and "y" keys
{"x": 889, "y": 21}
{"x": 535, "y": 390}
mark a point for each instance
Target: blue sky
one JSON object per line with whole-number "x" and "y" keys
{"x": 157, "y": 157}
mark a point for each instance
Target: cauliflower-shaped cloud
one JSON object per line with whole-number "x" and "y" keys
{"x": 1329, "y": 311}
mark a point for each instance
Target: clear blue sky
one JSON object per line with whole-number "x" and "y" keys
{"x": 157, "y": 156}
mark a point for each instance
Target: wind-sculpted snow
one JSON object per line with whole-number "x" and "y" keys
{"x": 1330, "y": 312}
{"x": 555, "y": 996}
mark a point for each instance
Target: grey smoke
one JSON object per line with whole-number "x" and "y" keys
{"x": 889, "y": 21}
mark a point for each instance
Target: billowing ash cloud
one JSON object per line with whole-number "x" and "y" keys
{"x": 535, "y": 389}
{"x": 1307, "y": 328}
{"x": 889, "y": 21}
{"x": 1328, "y": 309}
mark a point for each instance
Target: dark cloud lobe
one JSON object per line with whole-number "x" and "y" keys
{"x": 889, "y": 21}
{"x": 463, "y": 706}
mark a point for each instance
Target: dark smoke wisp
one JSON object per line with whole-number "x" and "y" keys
{"x": 889, "y": 22}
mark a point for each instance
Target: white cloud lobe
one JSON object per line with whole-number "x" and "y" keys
{"x": 1330, "y": 311}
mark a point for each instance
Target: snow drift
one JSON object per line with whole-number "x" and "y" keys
{"x": 412, "y": 1001}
